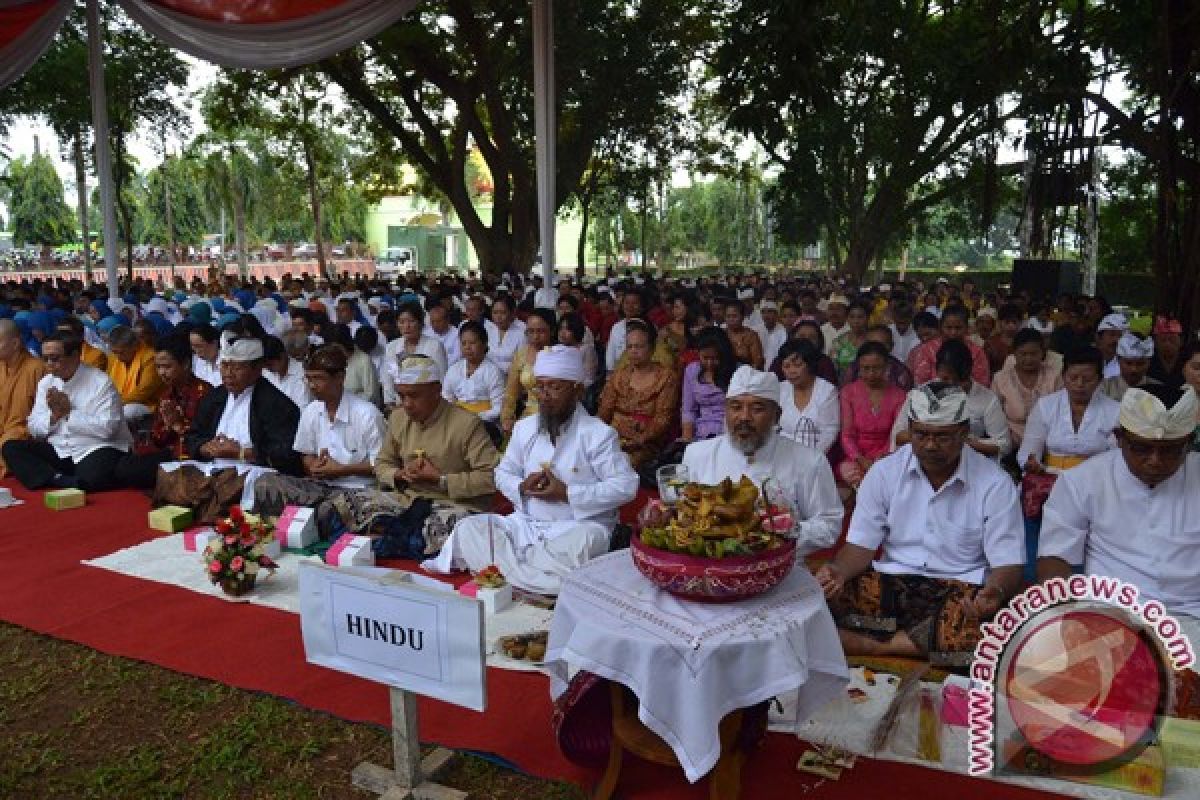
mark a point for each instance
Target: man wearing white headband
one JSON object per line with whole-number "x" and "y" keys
{"x": 799, "y": 476}
{"x": 948, "y": 520}
{"x": 566, "y": 476}
{"x": 1133, "y": 363}
{"x": 1134, "y": 513}
{"x": 245, "y": 420}
{"x": 432, "y": 448}
{"x": 1108, "y": 334}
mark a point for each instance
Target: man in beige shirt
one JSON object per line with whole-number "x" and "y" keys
{"x": 434, "y": 449}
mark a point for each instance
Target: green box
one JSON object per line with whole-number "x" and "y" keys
{"x": 170, "y": 519}
{"x": 62, "y": 499}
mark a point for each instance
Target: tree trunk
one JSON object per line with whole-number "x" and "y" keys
{"x": 314, "y": 198}
{"x": 81, "y": 199}
{"x": 239, "y": 227}
{"x": 169, "y": 216}
{"x": 586, "y": 208}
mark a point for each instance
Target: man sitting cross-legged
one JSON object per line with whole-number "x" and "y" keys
{"x": 1134, "y": 513}
{"x": 338, "y": 438}
{"x": 948, "y": 521}
{"x": 566, "y": 476}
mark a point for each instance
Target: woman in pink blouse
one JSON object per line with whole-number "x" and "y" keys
{"x": 1021, "y": 383}
{"x": 869, "y": 407}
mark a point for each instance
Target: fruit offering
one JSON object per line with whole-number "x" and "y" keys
{"x": 490, "y": 577}
{"x": 711, "y": 521}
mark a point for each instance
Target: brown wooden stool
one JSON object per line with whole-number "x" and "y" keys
{"x": 724, "y": 782}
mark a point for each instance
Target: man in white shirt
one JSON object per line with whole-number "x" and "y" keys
{"x": 773, "y": 334}
{"x": 632, "y": 307}
{"x": 904, "y": 335}
{"x": 438, "y": 326}
{"x": 1133, "y": 367}
{"x": 285, "y": 372}
{"x": 799, "y": 477}
{"x": 1108, "y": 336}
{"x": 836, "y": 309}
{"x": 77, "y": 424}
{"x": 949, "y": 523}
{"x": 566, "y": 476}
{"x": 1134, "y": 513}
{"x": 338, "y": 438}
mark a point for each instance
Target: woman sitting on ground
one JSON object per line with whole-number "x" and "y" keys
{"x": 574, "y": 333}
{"x": 989, "y": 427}
{"x": 474, "y": 383}
{"x": 539, "y": 331}
{"x": 869, "y": 407}
{"x": 1026, "y": 378}
{"x": 641, "y": 397}
{"x": 810, "y": 411}
{"x": 702, "y": 411}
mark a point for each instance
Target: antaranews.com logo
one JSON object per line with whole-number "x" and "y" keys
{"x": 1074, "y": 672}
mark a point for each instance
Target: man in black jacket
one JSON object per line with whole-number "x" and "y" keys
{"x": 245, "y": 419}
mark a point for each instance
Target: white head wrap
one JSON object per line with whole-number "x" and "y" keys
{"x": 768, "y": 305}
{"x": 116, "y": 304}
{"x": 416, "y": 369}
{"x": 837, "y": 298}
{"x": 1130, "y": 346}
{"x": 936, "y": 403}
{"x": 745, "y": 294}
{"x": 749, "y": 381}
{"x": 986, "y": 311}
{"x": 1143, "y": 414}
{"x": 247, "y": 349}
{"x": 156, "y": 305}
{"x": 1114, "y": 322}
{"x": 560, "y": 363}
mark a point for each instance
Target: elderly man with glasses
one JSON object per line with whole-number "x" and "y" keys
{"x": 566, "y": 476}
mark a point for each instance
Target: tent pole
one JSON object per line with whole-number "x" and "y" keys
{"x": 546, "y": 129}
{"x": 104, "y": 171}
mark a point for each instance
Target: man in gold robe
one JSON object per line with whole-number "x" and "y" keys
{"x": 19, "y": 376}
{"x": 434, "y": 449}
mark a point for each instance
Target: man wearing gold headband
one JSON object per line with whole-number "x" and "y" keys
{"x": 1134, "y": 513}
{"x": 947, "y": 521}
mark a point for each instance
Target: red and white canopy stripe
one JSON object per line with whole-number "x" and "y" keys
{"x": 249, "y": 34}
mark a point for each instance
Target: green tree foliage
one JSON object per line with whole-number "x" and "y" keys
{"x": 458, "y": 74}
{"x": 1154, "y": 47}
{"x": 189, "y": 216}
{"x": 1127, "y": 218}
{"x": 39, "y": 215}
{"x": 874, "y": 111}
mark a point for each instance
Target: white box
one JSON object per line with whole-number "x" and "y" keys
{"x": 495, "y": 600}
{"x": 297, "y": 527}
{"x": 351, "y": 551}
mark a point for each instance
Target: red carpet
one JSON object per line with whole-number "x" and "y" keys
{"x": 47, "y": 590}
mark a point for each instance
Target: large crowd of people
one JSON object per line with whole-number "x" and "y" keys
{"x": 971, "y": 432}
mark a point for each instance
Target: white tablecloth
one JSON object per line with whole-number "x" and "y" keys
{"x": 691, "y": 663}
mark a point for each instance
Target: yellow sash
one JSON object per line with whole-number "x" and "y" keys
{"x": 1064, "y": 462}
{"x": 478, "y": 407}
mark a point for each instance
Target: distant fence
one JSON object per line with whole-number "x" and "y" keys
{"x": 162, "y": 274}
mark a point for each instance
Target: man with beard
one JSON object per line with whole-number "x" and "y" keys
{"x": 566, "y": 476}
{"x": 798, "y": 476}
{"x": 946, "y": 522}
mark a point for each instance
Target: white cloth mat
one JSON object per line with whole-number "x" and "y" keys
{"x": 690, "y": 663}
{"x": 165, "y": 561}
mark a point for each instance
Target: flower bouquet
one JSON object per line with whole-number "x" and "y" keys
{"x": 235, "y": 555}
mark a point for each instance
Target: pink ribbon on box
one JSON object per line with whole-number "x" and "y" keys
{"x": 334, "y": 554}
{"x": 954, "y": 705}
{"x": 469, "y": 589}
{"x": 192, "y": 535}
{"x": 285, "y": 519}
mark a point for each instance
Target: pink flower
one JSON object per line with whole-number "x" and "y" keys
{"x": 230, "y": 540}
{"x": 214, "y": 567}
{"x": 237, "y": 564}
{"x": 248, "y": 540}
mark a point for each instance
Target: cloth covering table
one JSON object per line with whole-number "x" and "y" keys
{"x": 692, "y": 663}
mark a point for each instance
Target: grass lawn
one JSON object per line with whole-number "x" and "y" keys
{"x": 76, "y": 723}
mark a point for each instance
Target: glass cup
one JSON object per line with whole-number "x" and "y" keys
{"x": 671, "y": 479}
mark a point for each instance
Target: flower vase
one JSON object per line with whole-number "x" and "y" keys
{"x": 236, "y": 588}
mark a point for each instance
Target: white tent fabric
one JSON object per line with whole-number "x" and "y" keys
{"x": 20, "y": 54}
{"x": 269, "y": 45}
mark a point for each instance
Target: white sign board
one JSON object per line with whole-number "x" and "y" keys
{"x": 386, "y": 626}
